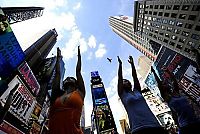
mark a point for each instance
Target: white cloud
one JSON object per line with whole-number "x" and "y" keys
{"x": 101, "y": 51}
{"x": 77, "y": 6}
{"x": 92, "y": 41}
{"x": 89, "y": 56}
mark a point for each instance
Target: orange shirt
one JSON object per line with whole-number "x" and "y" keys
{"x": 64, "y": 117}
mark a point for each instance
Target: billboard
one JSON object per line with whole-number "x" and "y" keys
{"x": 23, "y": 101}
{"x": 102, "y": 113}
{"x": 27, "y": 74}
{"x": 11, "y": 54}
{"x": 182, "y": 67}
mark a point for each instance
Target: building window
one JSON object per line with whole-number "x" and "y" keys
{"x": 147, "y": 6}
{"x": 184, "y": 33}
{"x": 156, "y": 7}
{"x": 151, "y": 6}
{"x": 176, "y": 7}
{"x": 146, "y": 12}
{"x": 177, "y": 31}
{"x": 185, "y": 7}
{"x": 182, "y": 16}
{"x": 171, "y": 22}
{"x": 192, "y": 17}
{"x": 196, "y": 8}
{"x": 173, "y": 15}
{"x": 187, "y": 50}
{"x": 160, "y": 14}
{"x": 179, "y": 46}
{"x": 161, "y": 33}
{"x": 195, "y": 36}
{"x": 162, "y": 6}
{"x": 149, "y": 18}
{"x": 166, "y": 14}
{"x": 165, "y": 40}
{"x": 160, "y": 38}
{"x": 150, "y": 12}
{"x": 169, "y": 29}
{"x": 190, "y": 43}
{"x": 167, "y": 35}
{"x": 165, "y": 21}
{"x": 150, "y": 34}
{"x": 174, "y": 37}
{"x": 180, "y": 24}
{"x": 171, "y": 43}
{"x": 182, "y": 40}
{"x": 155, "y": 13}
{"x": 169, "y": 7}
{"x": 188, "y": 26}
{"x": 197, "y": 28}
{"x": 163, "y": 27}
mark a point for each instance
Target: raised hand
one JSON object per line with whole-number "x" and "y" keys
{"x": 58, "y": 52}
{"x": 119, "y": 60}
{"x": 130, "y": 60}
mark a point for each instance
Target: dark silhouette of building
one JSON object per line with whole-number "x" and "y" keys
{"x": 18, "y": 14}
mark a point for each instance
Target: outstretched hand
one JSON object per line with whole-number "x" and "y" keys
{"x": 58, "y": 52}
{"x": 79, "y": 54}
{"x": 130, "y": 60}
{"x": 119, "y": 60}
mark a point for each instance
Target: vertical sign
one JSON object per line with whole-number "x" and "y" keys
{"x": 29, "y": 77}
{"x": 11, "y": 54}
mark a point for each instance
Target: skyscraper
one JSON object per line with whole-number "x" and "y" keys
{"x": 123, "y": 26}
{"x": 174, "y": 24}
{"x": 39, "y": 50}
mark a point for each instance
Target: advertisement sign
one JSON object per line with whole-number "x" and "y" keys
{"x": 105, "y": 120}
{"x": 29, "y": 77}
{"x": 36, "y": 111}
{"x": 11, "y": 54}
{"x": 35, "y": 129}
{"x": 183, "y": 69}
{"x": 23, "y": 102}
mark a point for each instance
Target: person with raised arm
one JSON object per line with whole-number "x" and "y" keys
{"x": 183, "y": 113}
{"x": 67, "y": 103}
{"x": 141, "y": 118}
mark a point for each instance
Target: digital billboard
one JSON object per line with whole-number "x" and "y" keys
{"x": 11, "y": 54}
{"x": 183, "y": 69}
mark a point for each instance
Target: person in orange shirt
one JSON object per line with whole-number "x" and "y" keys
{"x": 66, "y": 105}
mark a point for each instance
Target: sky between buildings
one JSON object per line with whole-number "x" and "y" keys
{"x": 84, "y": 23}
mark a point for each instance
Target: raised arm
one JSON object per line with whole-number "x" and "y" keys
{"x": 56, "y": 91}
{"x": 120, "y": 77}
{"x": 173, "y": 78}
{"x": 80, "y": 81}
{"x": 163, "y": 91}
{"x": 134, "y": 75}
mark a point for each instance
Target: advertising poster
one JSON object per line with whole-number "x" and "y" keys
{"x": 27, "y": 74}
{"x": 11, "y": 54}
{"x": 7, "y": 128}
{"x": 105, "y": 121}
{"x": 182, "y": 67}
{"x": 23, "y": 102}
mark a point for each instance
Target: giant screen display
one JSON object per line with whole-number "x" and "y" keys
{"x": 11, "y": 54}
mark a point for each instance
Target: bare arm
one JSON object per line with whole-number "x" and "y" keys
{"x": 175, "y": 82}
{"x": 134, "y": 75}
{"x": 120, "y": 77}
{"x": 56, "y": 91}
{"x": 79, "y": 76}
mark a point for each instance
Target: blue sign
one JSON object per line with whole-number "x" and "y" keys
{"x": 11, "y": 54}
{"x": 94, "y": 74}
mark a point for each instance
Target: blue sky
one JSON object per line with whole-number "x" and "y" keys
{"x": 84, "y": 23}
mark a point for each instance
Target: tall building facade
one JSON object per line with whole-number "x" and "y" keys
{"x": 39, "y": 50}
{"x": 144, "y": 65}
{"x": 174, "y": 24}
{"x": 123, "y": 26}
